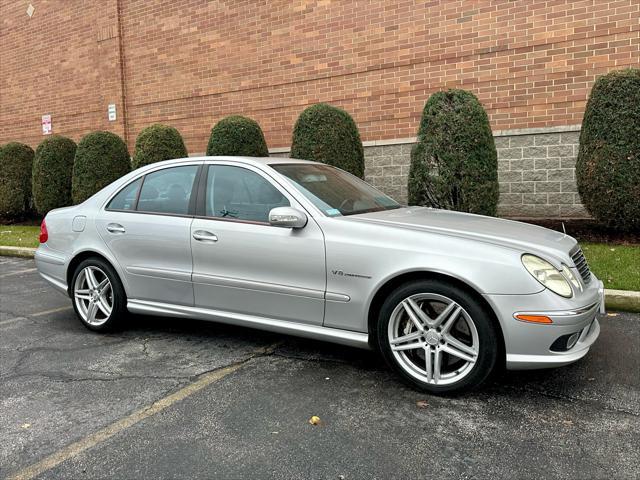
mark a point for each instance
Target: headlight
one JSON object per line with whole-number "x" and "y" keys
{"x": 547, "y": 275}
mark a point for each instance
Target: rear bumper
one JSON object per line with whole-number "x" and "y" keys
{"x": 52, "y": 267}
{"x": 531, "y": 345}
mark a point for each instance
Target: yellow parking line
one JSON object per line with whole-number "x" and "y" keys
{"x": 11, "y": 320}
{"x": 38, "y": 314}
{"x": 18, "y": 272}
{"x": 109, "y": 431}
{"x": 53, "y": 310}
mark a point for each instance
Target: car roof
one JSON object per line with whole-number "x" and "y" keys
{"x": 250, "y": 160}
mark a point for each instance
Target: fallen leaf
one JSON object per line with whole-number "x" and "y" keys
{"x": 314, "y": 420}
{"x": 567, "y": 422}
{"x": 422, "y": 404}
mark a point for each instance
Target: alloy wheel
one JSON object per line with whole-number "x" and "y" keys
{"x": 433, "y": 338}
{"x": 93, "y": 295}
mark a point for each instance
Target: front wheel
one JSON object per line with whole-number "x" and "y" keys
{"x": 98, "y": 296}
{"x": 437, "y": 337}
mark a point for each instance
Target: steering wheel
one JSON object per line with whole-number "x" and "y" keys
{"x": 344, "y": 203}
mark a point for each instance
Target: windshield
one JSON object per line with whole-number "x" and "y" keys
{"x": 333, "y": 191}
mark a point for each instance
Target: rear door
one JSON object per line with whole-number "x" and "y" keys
{"x": 241, "y": 263}
{"x": 147, "y": 227}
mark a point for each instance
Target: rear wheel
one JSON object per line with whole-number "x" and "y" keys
{"x": 437, "y": 336}
{"x": 98, "y": 296}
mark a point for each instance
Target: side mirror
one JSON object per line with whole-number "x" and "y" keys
{"x": 287, "y": 217}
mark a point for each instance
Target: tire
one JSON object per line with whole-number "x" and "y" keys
{"x": 103, "y": 289}
{"x": 454, "y": 352}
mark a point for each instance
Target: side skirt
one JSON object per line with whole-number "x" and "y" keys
{"x": 334, "y": 335}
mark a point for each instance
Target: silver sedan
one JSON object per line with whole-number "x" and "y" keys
{"x": 306, "y": 249}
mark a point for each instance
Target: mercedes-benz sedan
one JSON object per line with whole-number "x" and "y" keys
{"x": 306, "y": 249}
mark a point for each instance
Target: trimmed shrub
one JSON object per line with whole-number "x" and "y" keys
{"x": 454, "y": 164}
{"x": 16, "y": 161}
{"x": 52, "y": 173}
{"x": 608, "y": 164}
{"x": 101, "y": 158}
{"x": 237, "y": 136}
{"x": 157, "y": 143}
{"x": 328, "y": 134}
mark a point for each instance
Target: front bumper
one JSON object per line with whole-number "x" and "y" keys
{"x": 531, "y": 345}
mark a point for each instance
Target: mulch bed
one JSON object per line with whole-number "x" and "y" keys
{"x": 587, "y": 230}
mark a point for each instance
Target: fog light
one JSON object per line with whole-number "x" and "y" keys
{"x": 565, "y": 342}
{"x": 572, "y": 340}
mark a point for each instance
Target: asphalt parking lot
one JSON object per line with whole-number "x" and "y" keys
{"x": 171, "y": 398}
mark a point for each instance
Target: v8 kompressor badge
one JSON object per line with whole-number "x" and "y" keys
{"x": 341, "y": 273}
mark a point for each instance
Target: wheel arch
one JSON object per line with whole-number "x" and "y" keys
{"x": 80, "y": 257}
{"x": 392, "y": 283}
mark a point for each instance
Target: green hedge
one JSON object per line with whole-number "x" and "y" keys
{"x": 16, "y": 161}
{"x": 101, "y": 158}
{"x": 327, "y": 134}
{"x": 608, "y": 164}
{"x": 237, "y": 136}
{"x": 454, "y": 164}
{"x": 52, "y": 173}
{"x": 157, "y": 143}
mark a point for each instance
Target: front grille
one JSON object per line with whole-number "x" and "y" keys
{"x": 581, "y": 264}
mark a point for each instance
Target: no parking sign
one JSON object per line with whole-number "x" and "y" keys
{"x": 46, "y": 124}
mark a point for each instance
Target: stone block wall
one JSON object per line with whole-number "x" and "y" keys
{"x": 536, "y": 171}
{"x": 387, "y": 168}
{"x": 537, "y": 175}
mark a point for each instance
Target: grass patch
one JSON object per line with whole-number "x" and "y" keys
{"x": 618, "y": 266}
{"x": 19, "y": 235}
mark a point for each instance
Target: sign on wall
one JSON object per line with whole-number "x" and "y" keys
{"x": 46, "y": 125}
{"x": 112, "y": 112}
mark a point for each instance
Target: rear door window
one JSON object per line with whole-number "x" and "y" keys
{"x": 126, "y": 198}
{"x": 168, "y": 190}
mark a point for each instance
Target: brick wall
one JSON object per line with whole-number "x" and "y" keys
{"x": 64, "y": 61}
{"x": 188, "y": 63}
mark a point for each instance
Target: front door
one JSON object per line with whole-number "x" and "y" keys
{"x": 146, "y": 226}
{"x": 241, "y": 264}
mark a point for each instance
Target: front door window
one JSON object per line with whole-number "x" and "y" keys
{"x": 237, "y": 193}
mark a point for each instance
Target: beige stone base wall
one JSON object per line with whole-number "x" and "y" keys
{"x": 536, "y": 170}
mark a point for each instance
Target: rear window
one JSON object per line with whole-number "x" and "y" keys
{"x": 126, "y": 198}
{"x": 163, "y": 191}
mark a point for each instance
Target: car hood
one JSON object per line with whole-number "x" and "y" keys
{"x": 508, "y": 233}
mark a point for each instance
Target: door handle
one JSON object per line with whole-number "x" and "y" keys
{"x": 115, "y": 228}
{"x": 204, "y": 236}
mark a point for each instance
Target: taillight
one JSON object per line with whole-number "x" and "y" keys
{"x": 44, "y": 235}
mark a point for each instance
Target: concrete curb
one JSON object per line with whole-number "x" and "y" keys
{"x": 623, "y": 300}
{"x": 17, "y": 251}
